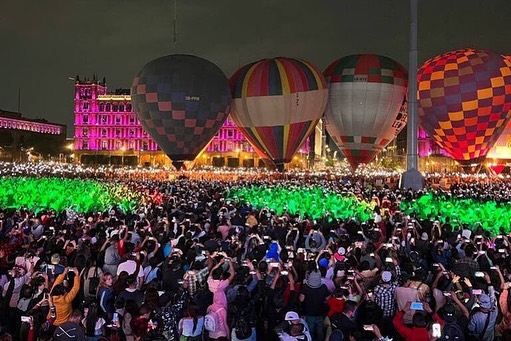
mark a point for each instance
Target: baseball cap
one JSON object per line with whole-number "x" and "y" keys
{"x": 291, "y": 316}
{"x": 386, "y": 276}
{"x": 484, "y": 301}
{"x": 424, "y": 236}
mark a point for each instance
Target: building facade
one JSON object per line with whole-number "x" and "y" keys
{"x": 107, "y": 131}
{"x": 23, "y": 139}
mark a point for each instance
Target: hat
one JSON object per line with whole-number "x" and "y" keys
{"x": 291, "y": 316}
{"x": 314, "y": 279}
{"x": 55, "y": 259}
{"x": 323, "y": 262}
{"x": 484, "y": 301}
{"x": 386, "y": 276}
{"x": 341, "y": 251}
{"x": 424, "y": 236}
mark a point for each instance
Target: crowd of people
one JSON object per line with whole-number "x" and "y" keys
{"x": 189, "y": 264}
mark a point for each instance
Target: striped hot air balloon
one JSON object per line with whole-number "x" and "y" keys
{"x": 464, "y": 99}
{"x": 181, "y": 101}
{"x": 367, "y": 107}
{"x": 277, "y": 103}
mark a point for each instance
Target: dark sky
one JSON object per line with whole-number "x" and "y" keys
{"x": 45, "y": 42}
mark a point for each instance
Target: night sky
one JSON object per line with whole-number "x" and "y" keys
{"x": 46, "y": 42}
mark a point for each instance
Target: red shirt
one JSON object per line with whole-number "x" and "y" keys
{"x": 414, "y": 333}
{"x": 336, "y": 305}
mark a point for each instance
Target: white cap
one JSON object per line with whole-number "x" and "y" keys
{"x": 386, "y": 276}
{"x": 291, "y": 316}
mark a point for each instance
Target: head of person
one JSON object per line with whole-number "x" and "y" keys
{"x": 76, "y": 316}
{"x": 350, "y": 309}
{"x": 419, "y": 320}
{"x": 484, "y": 303}
{"x": 292, "y": 317}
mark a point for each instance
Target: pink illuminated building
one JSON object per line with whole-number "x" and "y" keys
{"x": 107, "y": 131}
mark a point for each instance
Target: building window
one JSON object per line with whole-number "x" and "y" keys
{"x": 103, "y": 132}
{"x": 85, "y": 118}
{"x": 145, "y": 145}
{"x": 102, "y": 107}
{"x": 117, "y": 119}
{"x": 103, "y": 119}
{"x": 116, "y": 107}
{"x": 144, "y": 132}
{"x": 131, "y": 145}
{"x": 85, "y": 106}
{"x": 132, "y": 119}
{"x": 85, "y": 145}
{"x": 118, "y": 145}
{"x": 104, "y": 144}
{"x": 230, "y": 133}
{"x": 132, "y": 132}
{"x": 108, "y": 107}
{"x": 117, "y": 132}
{"x": 85, "y": 132}
{"x": 128, "y": 107}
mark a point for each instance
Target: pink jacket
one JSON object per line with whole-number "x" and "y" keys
{"x": 220, "y": 307}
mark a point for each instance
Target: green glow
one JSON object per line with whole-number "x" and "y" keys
{"x": 490, "y": 214}
{"x": 58, "y": 194}
{"x": 314, "y": 201}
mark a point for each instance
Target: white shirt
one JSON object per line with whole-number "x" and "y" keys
{"x": 130, "y": 266}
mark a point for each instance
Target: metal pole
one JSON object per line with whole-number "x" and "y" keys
{"x": 411, "y": 133}
{"x": 174, "y": 49}
{"x": 412, "y": 178}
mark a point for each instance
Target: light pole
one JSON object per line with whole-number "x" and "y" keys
{"x": 123, "y": 149}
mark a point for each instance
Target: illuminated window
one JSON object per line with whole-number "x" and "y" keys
{"x": 118, "y": 145}
{"x": 85, "y": 118}
{"x": 131, "y": 145}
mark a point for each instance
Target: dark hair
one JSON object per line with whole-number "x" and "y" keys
{"x": 58, "y": 290}
{"x": 419, "y": 320}
{"x": 90, "y": 320}
{"x": 349, "y": 306}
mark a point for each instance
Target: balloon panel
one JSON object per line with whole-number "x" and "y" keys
{"x": 181, "y": 101}
{"x": 464, "y": 99}
{"x": 367, "y": 106}
{"x": 276, "y": 104}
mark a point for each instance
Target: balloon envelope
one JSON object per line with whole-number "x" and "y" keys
{"x": 277, "y": 103}
{"x": 181, "y": 101}
{"x": 464, "y": 99}
{"x": 367, "y": 107}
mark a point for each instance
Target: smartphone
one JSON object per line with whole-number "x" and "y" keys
{"x": 284, "y": 273}
{"x": 351, "y": 278}
{"x": 368, "y": 327}
{"x": 435, "y": 265}
{"x": 447, "y": 294}
{"x": 437, "y": 331}
{"x": 25, "y": 319}
{"x": 493, "y": 268}
{"x": 115, "y": 318}
{"x": 371, "y": 254}
{"x": 301, "y": 250}
{"x": 274, "y": 265}
{"x": 388, "y": 245}
{"x": 160, "y": 293}
{"x": 477, "y": 292}
{"x": 290, "y": 254}
{"x": 502, "y": 250}
{"x": 416, "y": 306}
{"x": 479, "y": 274}
{"x": 482, "y": 252}
{"x": 388, "y": 260}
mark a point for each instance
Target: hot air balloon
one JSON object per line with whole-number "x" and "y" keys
{"x": 464, "y": 99}
{"x": 181, "y": 101}
{"x": 367, "y": 106}
{"x": 276, "y": 104}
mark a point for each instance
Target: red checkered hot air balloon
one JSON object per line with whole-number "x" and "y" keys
{"x": 367, "y": 107}
{"x": 277, "y": 103}
{"x": 465, "y": 101}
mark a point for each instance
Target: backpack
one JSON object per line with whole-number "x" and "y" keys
{"x": 452, "y": 331}
{"x": 93, "y": 282}
{"x": 212, "y": 321}
{"x": 242, "y": 327}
